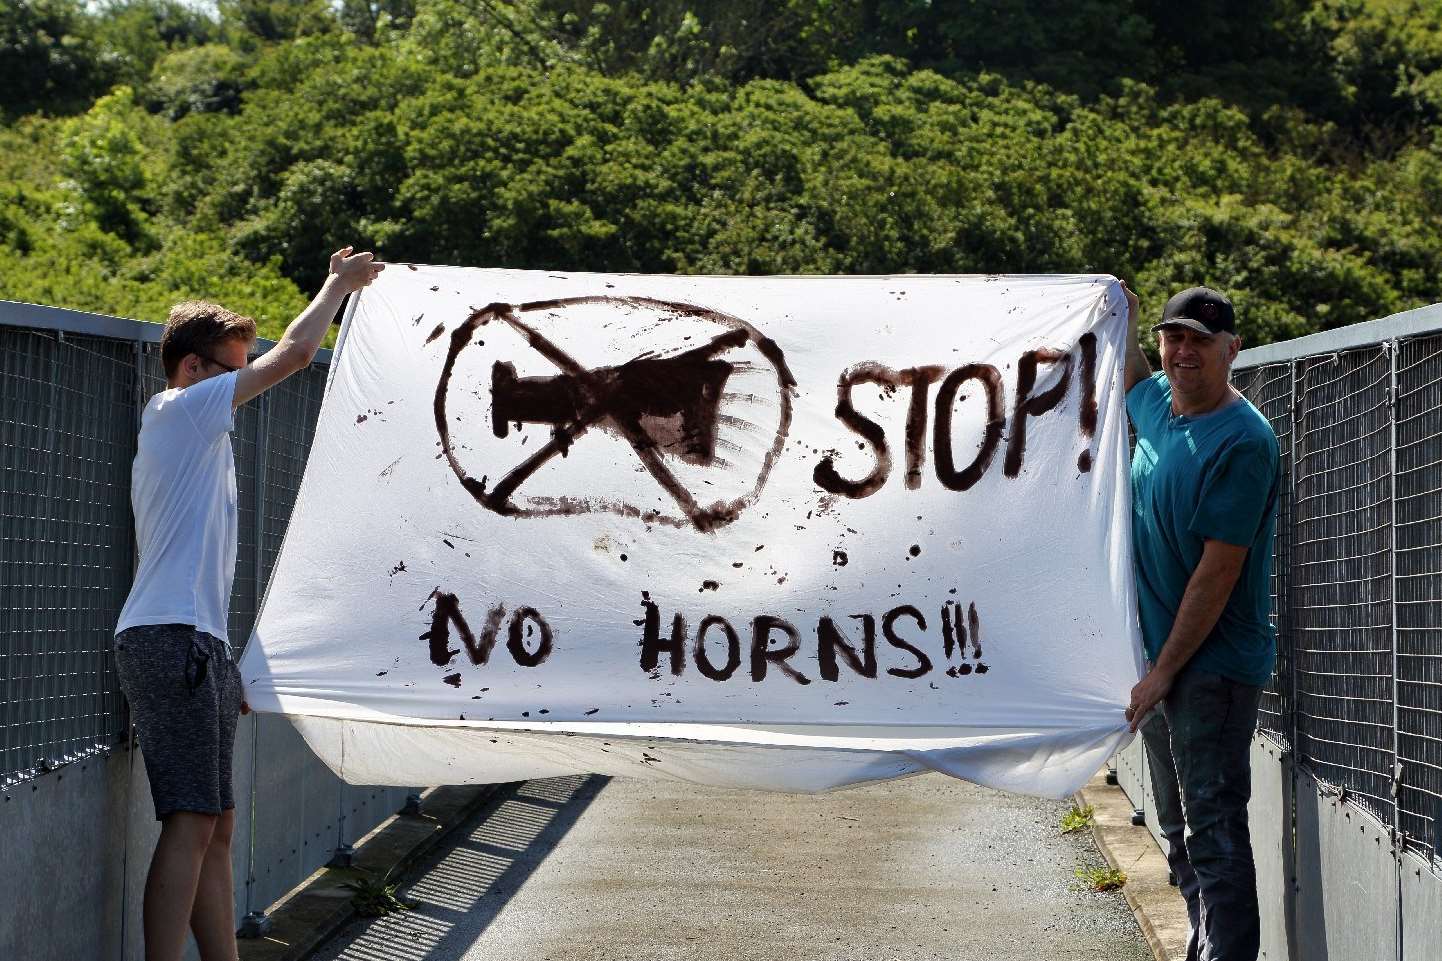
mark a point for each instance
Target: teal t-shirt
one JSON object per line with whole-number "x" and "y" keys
{"x": 1212, "y": 477}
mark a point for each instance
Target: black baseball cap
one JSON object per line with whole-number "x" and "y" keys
{"x": 1201, "y": 309}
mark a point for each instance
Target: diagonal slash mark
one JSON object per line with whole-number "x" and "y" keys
{"x": 563, "y": 435}
{"x": 630, "y": 427}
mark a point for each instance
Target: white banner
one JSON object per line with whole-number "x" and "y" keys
{"x": 788, "y": 533}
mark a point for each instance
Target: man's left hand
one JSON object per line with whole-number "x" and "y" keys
{"x": 1146, "y": 695}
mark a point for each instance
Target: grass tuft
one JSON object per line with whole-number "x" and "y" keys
{"x": 1101, "y": 879}
{"x": 1077, "y": 818}
{"x": 375, "y": 897}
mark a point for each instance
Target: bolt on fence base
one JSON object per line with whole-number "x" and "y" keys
{"x": 1139, "y": 817}
{"x": 343, "y": 857}
{"x": 254, "y": 925}
{"x": 414, "y": 806}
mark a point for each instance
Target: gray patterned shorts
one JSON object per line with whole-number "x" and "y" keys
{"x": 184, "y": 694}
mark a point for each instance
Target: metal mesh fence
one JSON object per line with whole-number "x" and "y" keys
{"x": 1270, "y": 390}
{"x": 1357, "y": 585}
{"x": 1341, "y": 560}
{"x": 244, "y": 595}
{"x": 69, "y": 411}
{"x": 67, "y": 419}
{"x": 292, "y": 409}
{"x": 1418, "y": 476}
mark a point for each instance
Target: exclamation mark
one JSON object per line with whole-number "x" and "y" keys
{"x": 1089, "y": 398}
{"x": 953, "y": 633}
{"x": 973, "y": 621}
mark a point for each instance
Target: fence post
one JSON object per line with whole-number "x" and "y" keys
{"x": 137, "y": 399}
{"x": 1299, "y": 391}
{"x": 1399, "y": 837}
{"x": 1392, "y": 347}
{"x": 344, "y": 854}
{"x": 256, "y": 924}
{"x": 1287, "y": 619}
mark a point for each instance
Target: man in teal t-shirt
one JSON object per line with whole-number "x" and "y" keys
{"x": 1205, "y": 481}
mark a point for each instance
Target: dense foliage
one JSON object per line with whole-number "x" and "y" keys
{"x": 1285, "y": 151}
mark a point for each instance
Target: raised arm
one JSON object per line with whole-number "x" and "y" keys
{"x": 1138, "y": 368}
{"x": 349, "y": 272}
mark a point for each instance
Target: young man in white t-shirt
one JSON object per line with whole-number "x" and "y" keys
{"x": 171, "y": 652}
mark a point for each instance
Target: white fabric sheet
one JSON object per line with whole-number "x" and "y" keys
{"x": 782, "y": 533}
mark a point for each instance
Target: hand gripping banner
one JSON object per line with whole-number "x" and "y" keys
{"x": 788, "y": 533}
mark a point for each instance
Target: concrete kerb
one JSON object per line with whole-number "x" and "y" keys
{"x": 1159, "y": 908}
{"x": 306, "y": 917}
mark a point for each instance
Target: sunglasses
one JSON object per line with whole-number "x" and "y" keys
{"x": 221, "y": 364}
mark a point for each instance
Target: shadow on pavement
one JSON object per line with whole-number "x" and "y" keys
{"x": 458, "y": 895}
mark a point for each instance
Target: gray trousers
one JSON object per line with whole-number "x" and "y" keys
{"x": 1198, "y": 745}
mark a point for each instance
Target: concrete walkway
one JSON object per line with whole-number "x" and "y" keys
{"x": 585, "y": 869}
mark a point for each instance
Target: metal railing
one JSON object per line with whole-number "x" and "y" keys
{"x": 1357, "y": 581}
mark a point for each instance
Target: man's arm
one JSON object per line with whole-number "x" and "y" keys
{"x": 1207, "y": 591}
{"x": 348, "y": 273}
{"x": 1138, "y": 367}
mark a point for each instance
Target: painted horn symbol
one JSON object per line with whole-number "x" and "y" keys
{"x": 675, "y": 400}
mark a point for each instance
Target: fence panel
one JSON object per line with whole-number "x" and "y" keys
{"x": 245, "y": 440}
{"x": 69, "y": 409}
{"x": 1419, "y": 589}
{"x": 1271, "y": 390}
{"x": 293, "y": 408}
{"x": 1341, "y": 628}
{"x": 67, "y": 417}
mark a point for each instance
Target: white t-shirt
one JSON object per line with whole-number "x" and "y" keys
{"x": 182, "y": 489}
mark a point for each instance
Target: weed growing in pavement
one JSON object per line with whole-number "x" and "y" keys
{"x": 1100, "y": 879}
{"x": 375, "y": 897}
{"x": 1077, "y": 818}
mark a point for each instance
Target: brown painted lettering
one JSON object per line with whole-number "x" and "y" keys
{"x": 653, "y": 645}
{"x": 888, "y": 628}
{"x": 946, "y": 472}
{"x": 516, "y": 640}
{"x": 830, "y": 640}
{"x": 921, "y": 379}
{"x": 1029, "y": 406}
{"x": 762, "y": 652}
{"x": 1089, "y": 398}
{"x": 733, "y": 649}
{"x": 825, "y": 474}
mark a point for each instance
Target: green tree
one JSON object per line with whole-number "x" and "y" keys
{"x": 46, "y": 57}
{"x": 102, "y": 159}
